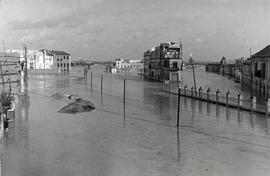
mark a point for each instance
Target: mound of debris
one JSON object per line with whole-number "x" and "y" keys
{"x": 61, "y": 96}
{"x": 79, "y": 105}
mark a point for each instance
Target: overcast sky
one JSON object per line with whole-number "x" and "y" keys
{"x": 107, "y": 29}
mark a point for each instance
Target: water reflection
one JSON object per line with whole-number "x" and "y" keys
{"x": 193, "y": 109}
{"x": 208, "y": 106}
{"x": 200, "y": 107}
{"x": 228, "y": 113}
{"x": 178, "y": 144}
{"x": 239, "y": 117}
{"x": 217, "y": 110}
{"x": 251, "y": 118}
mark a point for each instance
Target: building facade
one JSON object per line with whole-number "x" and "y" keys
{"x": 45, "y": 59}
{"x": 61, "y": 60}
{"x": 164, "y": 62}
{"x": 260, "y": 68}
{"x": 136, "y": 64}
{"x": 122, "y": 63}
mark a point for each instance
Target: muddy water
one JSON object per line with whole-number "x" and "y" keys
{"x": 139, "y": 138}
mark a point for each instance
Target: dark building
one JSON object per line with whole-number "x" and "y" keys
{"x": 164, "y": 62}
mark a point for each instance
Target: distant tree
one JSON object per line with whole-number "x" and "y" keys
{"x": 191, "y": 61}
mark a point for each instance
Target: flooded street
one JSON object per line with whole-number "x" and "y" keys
{"x": 138, "y": 138}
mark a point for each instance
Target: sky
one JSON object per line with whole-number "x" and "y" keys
{"x": 108, "y": 29}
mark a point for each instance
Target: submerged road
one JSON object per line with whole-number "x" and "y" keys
{"x": 137, "y": 139}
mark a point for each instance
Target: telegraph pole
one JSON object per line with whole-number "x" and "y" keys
{"x": 251, "y": 71}
{"x": 194, "y": 79}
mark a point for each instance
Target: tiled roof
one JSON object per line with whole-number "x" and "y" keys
{"x": 263, "y": 53}
{"x": 60, "y": 52}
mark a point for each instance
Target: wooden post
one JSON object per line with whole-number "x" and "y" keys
{"x": 217, "y": 92}
{"x": 268, "y": 106}
{"x": 253, "y": 103}
{"x": 239, "y": 100}
{"x": 194, "y": 79}
{"x": 200, "y": 92}
{"x": 227, "y": 98}
{"x": 208, "y": 91}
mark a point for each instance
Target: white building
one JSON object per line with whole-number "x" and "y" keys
{"x": 122, "y": 63}
{"x": 45, "y": 59}
{"x": 136, "y": 64}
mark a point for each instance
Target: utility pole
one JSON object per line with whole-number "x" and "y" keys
{"x": 194, "y": 79}
{"x": 251, "y": 71}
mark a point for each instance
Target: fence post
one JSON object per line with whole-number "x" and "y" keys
{"x": 191, "y": 93}
{"x": 253, "y": 103}
{"x": 208, "y": 91}
{"x": 200, "y": 91}
{"x": 185, "y": 90}
{"x": 240, "y": 97}
{"x": 227, "y": 97}
{"x": 268, "y": 106}
{"x": 217, "y": 92}
{"x": 178, "y": 109}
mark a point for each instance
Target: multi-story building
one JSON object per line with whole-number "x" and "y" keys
{"x": 136, "y": 64}
{"x": 164, "y": 62}
{"x": 260, "y": 63}
{"x": 61, "y": 60}
{"x": 122, "y": 63}
{"x": 45, "y": 59}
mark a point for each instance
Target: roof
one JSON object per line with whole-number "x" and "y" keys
{"x": 60, "y": 52}
{"x": 263, "y": 53}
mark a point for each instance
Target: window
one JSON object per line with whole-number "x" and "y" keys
{"x": 61, "y": 65}
{"x": 61, "y": 60}
{"x": 263, "y": 70}
{"x": 31, "y": 65}
{"x": 57, "y": 64}
{"x": 64, "y": 65}
{"x": 67, "y": 64}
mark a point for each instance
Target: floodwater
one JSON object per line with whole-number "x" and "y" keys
{"x": 136, "y": 138}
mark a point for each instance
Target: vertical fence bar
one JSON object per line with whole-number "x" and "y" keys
{"x": 200, "y": 92}
{"x": 208, "y": 92}
{"x": 267, "y": 106}
{"x": 217, "y": 98}
{"x": 253, "y": 103}
{"x": 178, "y": 109}
{"x": 227, "y": 98}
